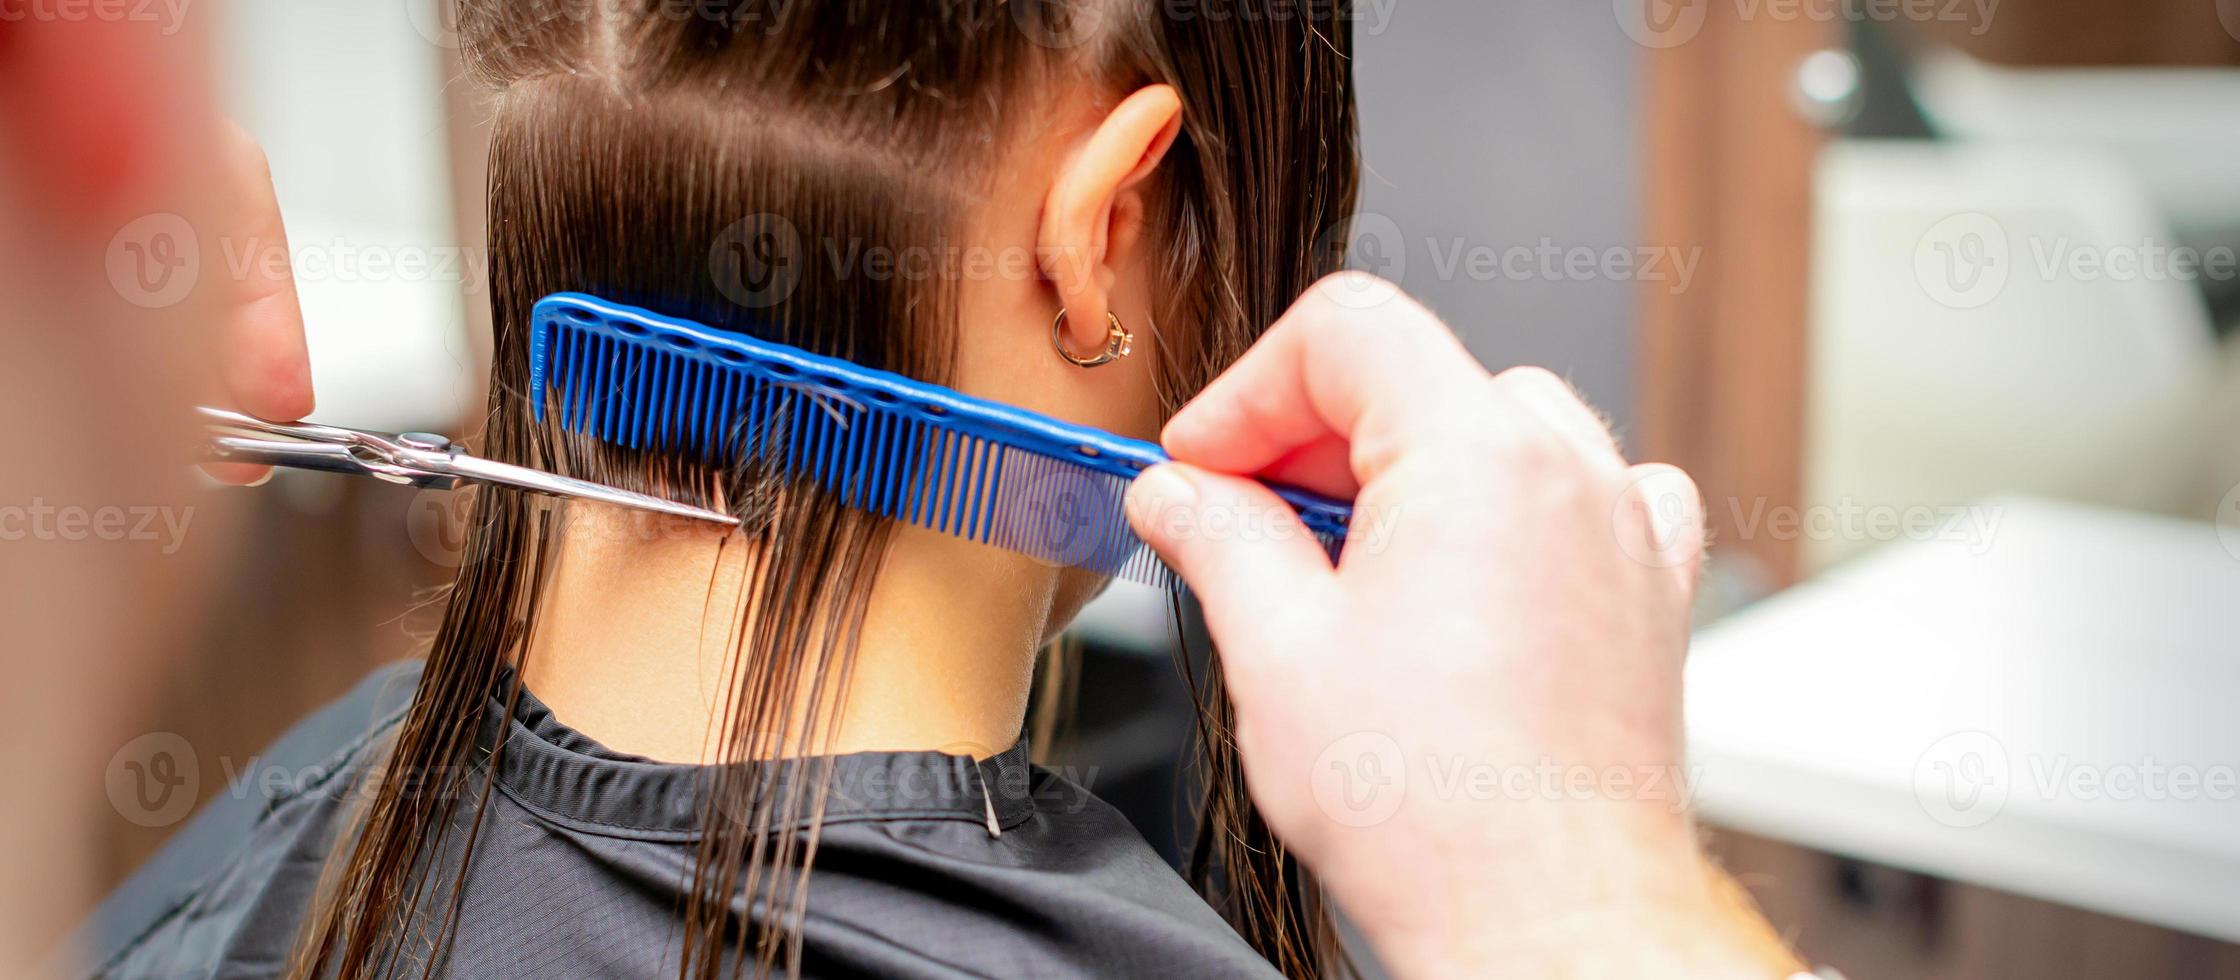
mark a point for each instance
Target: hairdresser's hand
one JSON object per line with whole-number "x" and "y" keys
{"x": 265, "y": 367}
{"x": 1470, "y": 730}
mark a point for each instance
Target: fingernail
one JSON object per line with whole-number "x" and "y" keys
{"x": 232, "y": 475}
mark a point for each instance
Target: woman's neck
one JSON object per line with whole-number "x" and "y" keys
{"x": 638, "y": 622}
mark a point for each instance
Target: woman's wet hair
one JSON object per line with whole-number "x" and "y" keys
{"x": 718, "y": 161}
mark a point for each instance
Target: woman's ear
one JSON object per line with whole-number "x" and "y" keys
{"x": 1092, "y": 222}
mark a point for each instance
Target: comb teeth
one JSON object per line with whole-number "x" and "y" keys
{"x": 881, "y": 443}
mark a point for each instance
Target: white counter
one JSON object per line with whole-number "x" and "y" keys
{"x": 2053, "y": 711}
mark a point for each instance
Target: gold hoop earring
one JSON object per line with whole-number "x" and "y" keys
{"x": 1118, "y": 342}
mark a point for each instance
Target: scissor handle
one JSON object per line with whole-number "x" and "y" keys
{"x": 401, "y": 459}
{"x": 321, "y": 456}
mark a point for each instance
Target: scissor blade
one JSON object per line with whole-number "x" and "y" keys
{"x": 506, "y": 474}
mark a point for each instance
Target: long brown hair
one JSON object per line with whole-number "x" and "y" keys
{"x": 692, "y": 156}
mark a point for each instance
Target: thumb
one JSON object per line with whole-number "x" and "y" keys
{"x": 1241, "y": 548}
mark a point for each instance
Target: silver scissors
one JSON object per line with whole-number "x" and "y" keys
{"x": 418, "y": 459}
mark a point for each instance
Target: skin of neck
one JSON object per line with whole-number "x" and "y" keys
{"x": 639, "y": 622}
{"x": 633, "y": 632}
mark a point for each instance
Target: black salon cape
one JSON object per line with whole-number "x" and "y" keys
{"x": 578, "y": 867}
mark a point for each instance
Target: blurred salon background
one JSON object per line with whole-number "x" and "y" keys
{"x": 1936, "y": 298}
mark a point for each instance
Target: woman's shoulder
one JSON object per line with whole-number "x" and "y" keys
{"x": 280, "y": 802}
{"x": 1062, "y": 886}
{"x": 927, "y": 865}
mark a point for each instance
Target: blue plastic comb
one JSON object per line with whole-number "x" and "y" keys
{"x": 883, "y": 443}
